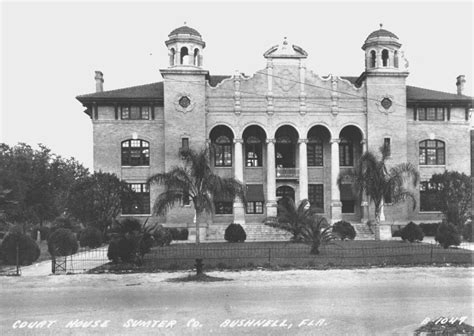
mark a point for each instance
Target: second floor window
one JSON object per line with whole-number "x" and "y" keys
{"x": 432, "y": 152}
{"x": 253, "y": 152}
{"x": 431, "y": 113}
{"x": 223, "y": 152}
{"x": 135, "y": 153}
{"x": 315, "y": 152}
{"x": 346, "y": 153}
{"x": 128, "y": 112}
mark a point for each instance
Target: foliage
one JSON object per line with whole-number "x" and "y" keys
{"x": 411, "y": 232}
{"x": 373, "y": 178}
{"x": 453, "y": 196}
{"x": 91, "y": 237}
{"x": 162, "y": 235}
{"x": 127, "y": 225}
{"x": 43, "y": 230}
{"x": 448, "y": 235}
{"x": 96, "y": 200}
{"x": 194, "y": 180}
{"x": 28, "y": 250}
{"x": 292, "y": 218}
{"x": 467, "y": 232}
{"x": 344, "y": 230}
{"x": 317, "y": 232}
{"x": 429, "y": 229}
{"x": 66, "y": 223}
{"x": 121, "y": 248}
{"x": 235, "y": 233}
{"x": 179, "y": 234}
{"x": 34, "y": 183}
{"x": 62, "y": 242}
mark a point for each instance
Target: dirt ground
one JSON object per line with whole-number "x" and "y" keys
{"x": 375, "y": 301}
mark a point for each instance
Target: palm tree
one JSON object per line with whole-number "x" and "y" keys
{"x": 372, "y": 178}
{"x": 196, "y": 181}
{"x": 302, "y": 222}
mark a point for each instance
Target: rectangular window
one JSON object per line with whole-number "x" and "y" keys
{"x": 184, "y": 143}
{"x": 255, "y": 207}
{"x": 431, "y": 113}
{"x": 315, "y": 154}
{"x": 223, "y": 155}
{"x": 386, "y": 143}
{"x": 139, "y": 204}
{"x": 223, "y": 208}
{"x": 429, "y": 198}
{"x": 135, "y": 112}
{"x": 316, "y": 197}
{"x": 346, "y": 154}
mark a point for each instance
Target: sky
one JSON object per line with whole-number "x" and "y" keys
{"x": 50, "y": 50}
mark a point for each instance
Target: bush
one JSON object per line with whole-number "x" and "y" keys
{"x": 28, "y": 251}
{"x": 344, "y": 230}
{"x": 429, "y": 229}
{"x": 448, "y": 235}
{"x": 66, "y": 223}
{"x": 235, "y": 233}
{"x": 162, "y": 235}
{"x": 129, "y": 225}
{"x": 396, "y": 230}
{"x": 179, "y": 234}
{"x": 91, "y": 237}
{"x": 467, "y": 232}
{"x": 43, "y": 230}
{"x": 411, "y": 232}
{"x": 62, "y": 242}
{"x": 121, "y": 248}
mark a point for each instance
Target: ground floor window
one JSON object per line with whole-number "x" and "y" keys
{"x": 255, "y": 207}
{"x": 429, "y": 197}
{"x": 140, "y": 202}
{"x": 316, "y": 197}
{"x": 223, "y": 208}
{"x": 348, "y": 206}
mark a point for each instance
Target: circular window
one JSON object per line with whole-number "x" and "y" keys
{"x": 184, "y": 102}
{"x": 386, "y": 103}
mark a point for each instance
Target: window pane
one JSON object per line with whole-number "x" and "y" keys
{"x": 125, "y": 114}
{"x": 430, "y": 113}
{"x": 421, "y": 113}
{"x": 145, "y": 112}
{"x": 316, "y": 197}
{"x": 440, "y": 113}
{"x": 134, "y": 113}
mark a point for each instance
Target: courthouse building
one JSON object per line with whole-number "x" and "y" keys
{"x": 284, "y": 131}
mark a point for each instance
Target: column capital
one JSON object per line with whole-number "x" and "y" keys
{"x": 270, "y": 141}
{"x": 335, "y": 141}
{"x": 300, "y": 141}
{"x": 238, "y": 140}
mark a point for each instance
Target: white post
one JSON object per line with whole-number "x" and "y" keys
{"x": 271, "y": 179}
{"x": 336, "y": 211}
{"x": 303, "y": 169}
{"x": 239, "y": 214}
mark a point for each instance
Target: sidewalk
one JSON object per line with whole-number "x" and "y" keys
{"x": 80, "y": 262}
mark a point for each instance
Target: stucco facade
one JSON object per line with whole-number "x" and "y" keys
{"x": 284, "y": 131}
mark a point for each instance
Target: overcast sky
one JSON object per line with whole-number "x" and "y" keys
{"x": 51, "y": 50}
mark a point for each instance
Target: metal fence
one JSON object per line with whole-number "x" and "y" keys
{"x": 275, "y": 255}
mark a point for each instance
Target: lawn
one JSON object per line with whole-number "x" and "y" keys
{"x": 295, "y": 255}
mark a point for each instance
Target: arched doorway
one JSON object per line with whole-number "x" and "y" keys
{"x": 286, "y": 147}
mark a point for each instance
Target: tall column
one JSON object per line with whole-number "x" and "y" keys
{"x": 364, "y": 202}
{"x": 271, "y": 179}
{"x": 336, "y": 205}
{"x": 303, "y": 169}
{"x": 239, "y": 213}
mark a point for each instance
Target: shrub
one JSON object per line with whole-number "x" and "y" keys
{"x": 62, "y": 242}
{"x": 91, "y": 237}
{"x": 43, "y": 230}
{"x": 344, "y": 230}
{"x": 411, "y": 232}
{"x": 129, "y": 225}
{"x": 235, "y": 233}
{"x": 396, "y": 230}
{"x": 66, "y": 223}
{"x": 429, "y": 229}
{"x": 179, "y": 234}
{"x": 448, "y": 235}
{"x": 28, "y": 250}
{"x": 121, "y": 248}
{"x": 162, "y": 235}
{"x": 467, "y": 232}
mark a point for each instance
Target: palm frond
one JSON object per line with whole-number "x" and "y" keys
{"x": 167, "y": 200}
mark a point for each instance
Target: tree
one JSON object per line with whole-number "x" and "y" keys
{"x": 96, "y": 200}
{"x": 302, "y": 222}
{"x": 38, "y": 182}
{"x": 194, "y": 180}
{"x": 373, "y": 178}
{"x": 453, "y": 196}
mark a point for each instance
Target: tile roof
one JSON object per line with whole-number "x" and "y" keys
{"x": 420, "y": 94}
{"x": 147, "y": 91}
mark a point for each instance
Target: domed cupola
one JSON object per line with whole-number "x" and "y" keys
{"x": 185, "y": 47}
{"x": 382, "y": 51}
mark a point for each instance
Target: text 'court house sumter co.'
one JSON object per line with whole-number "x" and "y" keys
{"x": 284, "y": 131}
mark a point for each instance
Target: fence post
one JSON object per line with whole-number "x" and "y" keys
{"x": 53, "y": 264}
{"x": 431, "y": 254}
{"x": 17, "y": 257}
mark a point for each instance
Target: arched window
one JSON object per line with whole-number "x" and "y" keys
{"x": 196, "y": 57}
{"x": 253, "y": 151}
{"x": 135, "y": 153}
{"x": 223, "y": 152}
{"x": 346, "y": 153}
{"x": 432, "y": 152}
{"x": 285, "y": 191}
{"x": 315, "y": 152}
{"x": 373, "y": 57}
{"x": 395, "y": 59}
{"x": 385, "y": 61}
{"x": 172, "y": 56}
{"x": 184, "y": 52}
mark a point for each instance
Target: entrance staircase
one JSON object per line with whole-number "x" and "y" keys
{"x": 363, "y": 232}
